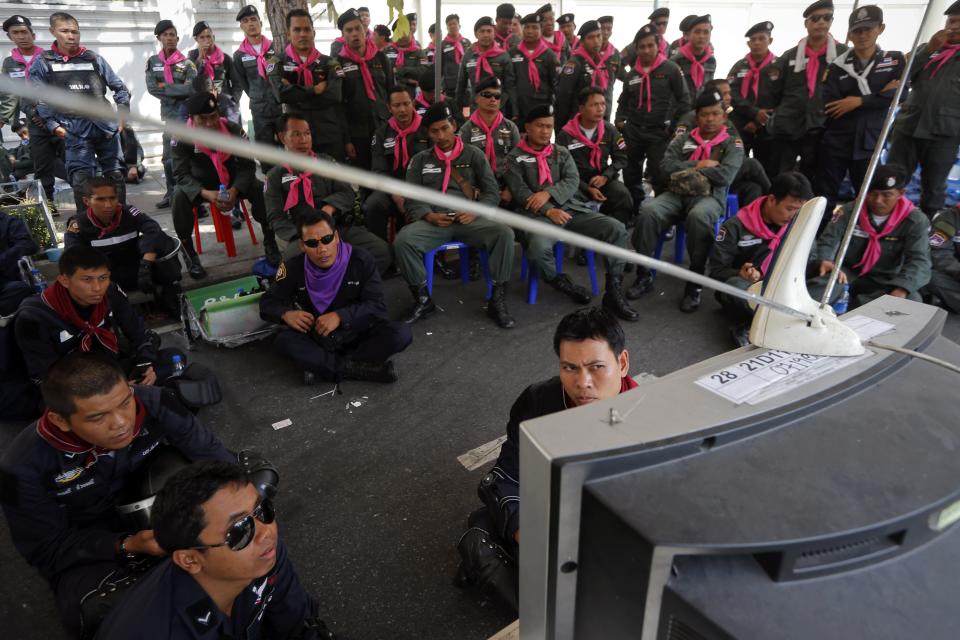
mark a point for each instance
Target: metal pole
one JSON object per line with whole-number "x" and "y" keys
{"x": 438, "y": 55}
{"x": 872, "y": 167}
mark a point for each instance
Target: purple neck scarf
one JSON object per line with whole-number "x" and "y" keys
{"x": 323, "y": 284}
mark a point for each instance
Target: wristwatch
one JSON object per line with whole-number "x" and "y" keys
{"x": 123, "y": 546}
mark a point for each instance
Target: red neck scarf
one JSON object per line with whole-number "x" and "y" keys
{"x": 293, "y": 196}
{"x": 751, "y": 82}
{"x": 502, "y": 41}
{"x": 555, "y": 42}
{"x": 751, "y": 217}
{"x": 872, "y": 252}
{"x": 69, "y": 442}
{"x": 543, "y": 169}
{"x": 489, "y": 146}
{"x": 369, "y": 54}
{"x": 218, "y": 158}
{"x": 411, "y": 47}
{"x": 447, "y": 160}
{"x": 110, "y": 226}
{"x": 626, "y": 383}
{"x": 401, "y": 151}
{"x": 697, "y": 72}
{"x": 168, "y": 63}
{"x": 601, "y": 75}
{"x": 17, "y": 55}
{"x": 211, "y": 61}
{"x": 420, "y": 100}
{"x": 813, "y": 65}
{"x": 304, "y": 74}
{"x": 532, "y": 72}
{"x": 705, "y": 147}
{"x": 457, "y": 47}
{"x": 261, "y": 57}
{"x": 596, "y": 156}
{"x": 645, "y": 80}
{"x": 58, "y": 298}
{"x": 946, "y": 52}
{"x": 483, "y": 59}
{"x": 66, "y": 58}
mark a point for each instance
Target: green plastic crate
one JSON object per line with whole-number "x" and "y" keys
{"x": 224, "y": 317}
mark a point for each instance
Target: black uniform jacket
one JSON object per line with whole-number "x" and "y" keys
{"x": 15, "y": 242}
{"x": 61, "y": 511}
{"x": 734, "y": 247}
{"x": 613, "y": 155}
{"x": 136, "y": 235}
{"x": 194, "y": 171}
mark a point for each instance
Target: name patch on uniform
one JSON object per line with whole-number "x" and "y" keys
{"x": 887, "y": 62}
{"x": 860, "y": 233}
{"x": 83, "y": 66}
{"x": 448, "y": 49}
{"x": 516, "y": 59}
{"x": 158, "y": 67}
{"x": 350, "y": 67}
{"x": 289, "y": 67}
{"x": 480, "y": 138}
{"x": 248, "y": 58}
{"x": 526, "y": 159}
{"x": 287, "y": 178}
{"x": 68, "y": 476}
{"x": 574, "y": 145}
{"x": 431, "y": 168}
{"x": 749, "y": 241}
{"x": 689, "y": 147}
{"x": 636, "y": 80}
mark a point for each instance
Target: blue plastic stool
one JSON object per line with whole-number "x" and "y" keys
{"x": 430, "y": 256}
{"x": 533, "y": 283}
{"x": 733, "y": 206}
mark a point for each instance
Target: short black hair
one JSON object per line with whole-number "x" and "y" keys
{"x": 590, "y": 322}
{"x": 177, "y": 514}
{"x": 714, "y": 85}
{"x": 585, "y": 94}
{"x": 310, "y": 218}
{"x": 287, "y": 117}
{"x": 791, "y": 183}
{"x": 399, "y": 88}
{"x": 81, "y": 257}
{"x": 81, "y": 374}
{"x": 95, "y": 182}
{"x": 298, "y": 13}
{"x": 450, "y": 17}
{"x": 62, "y": 16}
{"x": 383, "y": 31}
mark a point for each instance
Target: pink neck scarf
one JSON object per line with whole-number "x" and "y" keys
{"x": 645, "y": 80}
{"x": 483, "y": 59}
{"x": 401, "y": 151}
{"x": 813, "y": 66}
{"x": 751, "y": 217}
{"x": 17, "y": 55}
{"x": 946, "y": 52}
{"x": 596, "y": 156}
{"x": 555, "y": 42}
{"x": 502, "y": 41}
{"x": 261, "y": 57}
{"x": 293, "y": 196}
{"x": 218, "y": 158}
{"x": 447, "y": 160}
{"x": 402, "y": 51}
{"x": 872, "y": 252}
{"x": 420, "y": 100}
{"x": 601, "y": 75}
{"x": 697, "y": 72}
{"x": 368, "y": 55}
{"x": 705, "y": 147}
{"x": 662, "y": 45}
{"x": 532, "y": 72}
{"x": 214, "y": 59}
{"x": 168, "y": 63}
{"x": 457, "y": 47}
{"x": 489, "y": 146}
{"x": 543, "y": 169}
{"x": 751, "y": 82}
{"x": 303, "y": 66}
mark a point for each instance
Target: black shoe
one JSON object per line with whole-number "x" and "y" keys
{"x": 53, "y": 208}
{"x": 309, "y": 378}
{"x": 236, "y": 219}
{"x": 165, "y": 203}
{"x": 368, "y": 371}
{"x": 194, "y": 268}
{"x": 475, "y": 271}
{"x": 643, "y": 284}
{"x": 203, "y": 212}
{"x": 497, "y": 307}
{"x": 740, "y": 334}
{"x": 422, "y": 306}
{"x": 581, "y": 258}
{"x": 564, "y": 284}
{"x": 445, "y": 272}
{"x": 691, "y": 299}
{"x": 614, "y": 301}
{"x": 272, "y": 252}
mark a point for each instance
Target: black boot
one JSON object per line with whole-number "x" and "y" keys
{"x": 691, "y": 298}
{"x": 740, "y": 332}
{"x": 642, "y": 285}
{"x": 422, "y": 304}
{"x": 194, "y": 268}
{"x": 497, "y": 307}
{"x": 368, "y": 371}
{"x": 440, "y": 265}
{"x": 581, "y": 258}
{"x": 164, "y": 202}
{"x": 236, "y": 218}
{"x": 564, "y": 284}
{"x": 476, "y": 271}
{"x": 614, "y": 301}
{"x": 270, "y": 250}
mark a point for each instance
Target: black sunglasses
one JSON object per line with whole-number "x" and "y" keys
{"x": 241, "y": 532}
{"x": 313, "y": 243}
{"x": 825, "y": 17}
{"x": 490, "y": 94}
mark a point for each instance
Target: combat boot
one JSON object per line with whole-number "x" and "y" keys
{"x": 614, "y": 301}
{"x": 642, "y": 285}
{"x": 194, "y": 268}
{"x": 564, "y": 284}
{"x": 497, "y": 307}
{"x": 422, "y": 304}
{"x": 351, "y": 369}
{"x": 691, "y": 298}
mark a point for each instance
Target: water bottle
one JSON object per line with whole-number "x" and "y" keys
{"x": 240, "y": 292}
{"x": 39, "y": 282}
{"x": 177, "y": 366}
{"x": 840, "y": 306}
{"x": 222, "y": 196}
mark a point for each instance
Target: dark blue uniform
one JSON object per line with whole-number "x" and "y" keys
{"x": 15, "y": 242}
{"x": 18, "y": 396}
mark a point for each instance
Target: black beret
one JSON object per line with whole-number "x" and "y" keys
{"x": 450, "y": 17}
{"x": 888, "y": 176}
{"x": 605, "y": 19}
{"x": 662, "y": 12}
{"x": 162, "y": 26}
{"x": 346, "y": 17}
{"x": 760, "y": 27}
{"x": 646, "y": 31}
{"x": 869, "y": 15}
{"x": 436, "y": 113}
{"x": 547, "y": 8}
{"x": 685, "y": 23}
{"x": 247, "y": 11}
{"x": 200, "y": 27}
{"x": 411, "y": 17}
{"x": 432, "y": 28}
{"x": 816, "y": 6}
{"x": 707, "y": 99}
{"x": 704, "y": 19}
{"x": 953, "y": 10}
{"x": 201, "y": 104}
{"x": 568, "y": 18}
{"x": 531, "y": 18}
{"x": 428, "y": 80}
{"x": 588, "y": 27}
{"x": 539, "y": 111}
{"x": 16, "y": 21}
{"x": 485, "y": 21}
{"x": 490, "y": 82}
{"x": 506, "y": 10}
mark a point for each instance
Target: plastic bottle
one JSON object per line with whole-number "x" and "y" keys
{"x": 840, "y": 306}
{"x": 222, "y": 196}
{"x": 240, "y": 292}
{"x": 39, "y": 282}
{"x": 177, "y": 366}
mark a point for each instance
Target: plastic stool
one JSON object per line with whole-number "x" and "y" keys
{"x": 223, "y": 229}
{"x": 430, "y": 256}
{"x": 533, "y": 284}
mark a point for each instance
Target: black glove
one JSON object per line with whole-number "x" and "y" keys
{"x": 145, "y": 276}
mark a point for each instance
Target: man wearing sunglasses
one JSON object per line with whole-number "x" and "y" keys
{"x": 798, "y": 101}
{"x": 66, "y": 472}
{"x": 228, "y": 573}
{"x": 491, "y": 132}
{"x": 330, "y": 301}
{"x": 535, "y": 69}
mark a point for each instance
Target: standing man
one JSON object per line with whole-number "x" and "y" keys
{"x": 215, "y": 72}
{"x": 544, "y": 181}
{"x": 752, "y": 83}
{"x": 534, "y": 69}
{"x": 568, "y": 27}
{"x": 556, "y": 41}
{"x": 685, "y": 26}
{"x": 381, "y": 38}
{"x": 695, "y": 58}
{"x": 408, "y": 60}
{"x": 250, "y": 62}
{"x": 653, "y": 100}
{"x": 659, "y": 19}
{"x": 589, "y": 66}
{"x": 488, "y": 130}
{"x": 311, "y": 84}
{"x": 485, "y": 58}
{"x": 170, "y": 77}
{"x": 367, "y": 79}
{"x": 452, "y": 47}
{"x": 801, "y": 71}
{"x": 925, "y": 133}
{"x": 600, "y": 153}
{"x": 502, "y": 31}
{"x": 702, "y": 164}
{"x": 453, "y": 167}
{"x": 90, "y": 145}
{"x": 857, "y": 93}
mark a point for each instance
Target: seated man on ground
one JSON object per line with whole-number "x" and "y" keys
{"x": 594, "y": 366}
{"x": 544, "y": 181}
{"x": 743, "y": 250}
{"x": 331, "y": 301}
{"x": 227, "y": 569}
{"x": 141, "y": 255}
{"x": 701, "y": 164}
{"x": 889, "y": 252}
{"x": 945, "y": 255}
{"x": 15, "y": 243}
{"x": 65, "y": 474}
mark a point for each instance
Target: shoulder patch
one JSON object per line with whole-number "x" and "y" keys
{"x": 837, "y": 214}
{"x": 621, "y": 143}
{"x": 938, "y": 239}
{"x": 73, "y": 226}
{"x": 281, "y": 273}
{"x": 173, "y": 142}
{"x": 722, "y": 234}
{"x": 134, "y": 211}
{"x": 738, "y": 143}
{"x": 569, "y": 68}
